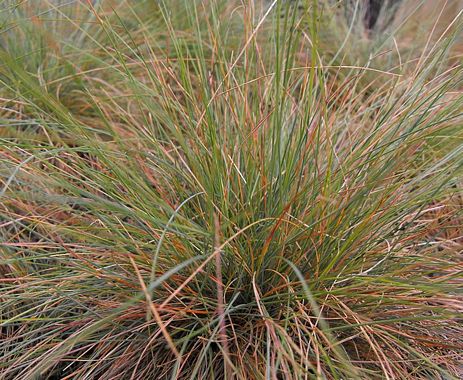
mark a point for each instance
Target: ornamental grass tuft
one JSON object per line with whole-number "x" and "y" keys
{"x": 229, "y": 190}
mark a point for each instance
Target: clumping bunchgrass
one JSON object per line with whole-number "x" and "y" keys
{"x": 205, "y": 189}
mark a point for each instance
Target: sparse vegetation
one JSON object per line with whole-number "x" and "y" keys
{"x": 225, "y": 190}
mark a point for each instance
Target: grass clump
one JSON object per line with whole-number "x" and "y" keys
{"x": 207, "y": 190}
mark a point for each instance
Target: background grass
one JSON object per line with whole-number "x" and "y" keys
{"x": 207, "y": 190}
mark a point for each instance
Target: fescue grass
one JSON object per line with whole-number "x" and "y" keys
{"x": 227, "y": 190}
